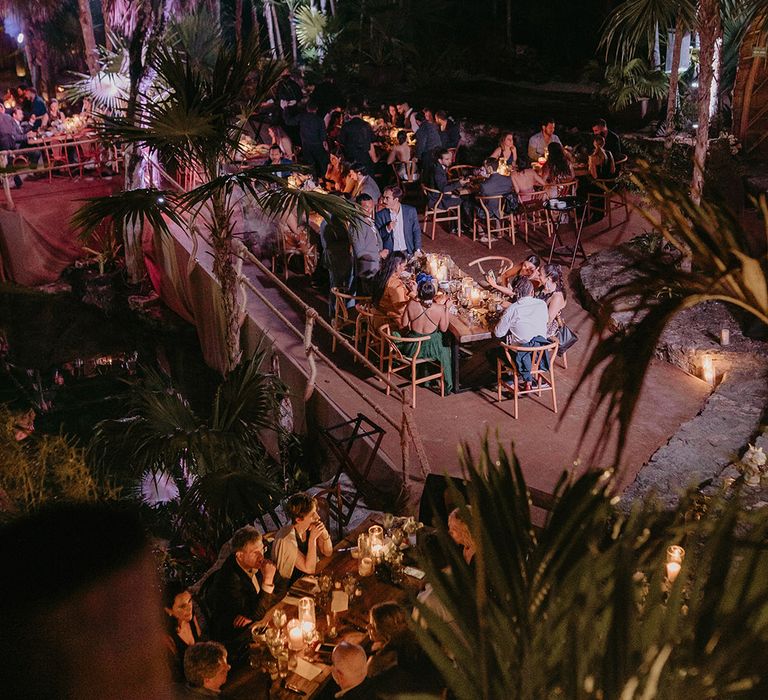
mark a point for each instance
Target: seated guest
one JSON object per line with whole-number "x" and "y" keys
{"x": 390, "y": 294}
{"x": 336, "y": 173}
{"x": 282, "y": 140}
{"x": 55, "y": 117}
{"x": 557, "y": 169}
{"x": 524, "y": 323}
{"x": 400, "y": 153}
{"x": 391, "y": 116}
{"x": 441, "y": 183}
{"x": 525, "y": 183}
{"x": 450, "y": 133}
{"x": 495, "y": 184}
{"x": 427, "y": 315}
{"x": 460, "y": 533}
{"x": 367, "y": 248}
{"x": 349, "y": 670}
{"x": 553, "y": 292}
{"x": 181, "y": 625}
{"x": 601, "y": 165}
{"x": 506, "y": 150}
{"x": 356, "y": 139}
{"x": 398, "y": 223}
{"x": 398, "y": 662}
{"x": 538, "y": 143}
{"x": 206, "y": 669}
{"x": 427, "y": 138}
{"x": 363, "y": 182}
{"x": 508, "y": 279}
{"x": 429, "y": 115}
{"x": 276, "y": 157}
{"x": 612, "y": 140}
{"x": 242, "y": 590}
{"x": 300, "y": 543}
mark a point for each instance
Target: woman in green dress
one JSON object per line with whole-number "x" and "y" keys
{"x": 428, "y": 316}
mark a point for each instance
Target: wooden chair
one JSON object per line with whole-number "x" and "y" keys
{"x": 566, "y": 188}
{"x": 406, "y": 173}
{"x": 456, "y": 172}
{"x": 531, "y": 212}
{"x": 398, "y": 362}
{"x": 367, "y": 317}
{"x": 453, "y": 152}
{"x": 344, "y": 317}
{"x": 612, "y": 196}
{"x": 437, "y": 214}
{"x": 497, "y": 263}
{"x": 502, "y": 223}
{"x": 288, "y": 247}
{"x": 509, "y": 368}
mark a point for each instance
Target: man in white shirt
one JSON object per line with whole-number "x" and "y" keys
{"x": 524, "y": 323}
{"x": 537, "y": 144}
{"x": 398, "y": 223}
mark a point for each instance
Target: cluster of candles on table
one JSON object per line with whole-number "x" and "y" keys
{"x": 437, "y": 266}
{"x": 302, "y": 630}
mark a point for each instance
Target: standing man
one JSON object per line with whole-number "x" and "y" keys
{"x": 450, "y": 133}
{"x": 427, "y": 138}
{"x": 537, "y": 144}
{"x": 314, "y": 144}
{"x": 356, "y": 138}
{"x": 408, "y": 114}
{"x": 398, "y": 223}
{"x": 367, "y": 246}
{"x": 612, "y": 140}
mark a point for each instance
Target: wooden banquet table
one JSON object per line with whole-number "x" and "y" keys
{"x": 255, "y": 684}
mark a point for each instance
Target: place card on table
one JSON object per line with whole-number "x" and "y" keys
{"x": 306, "y": 669}
{"x": 339, "y": 602}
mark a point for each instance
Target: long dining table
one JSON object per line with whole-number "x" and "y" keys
{"x": 312, "y": 670}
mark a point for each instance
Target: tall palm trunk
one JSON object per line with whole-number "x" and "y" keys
{"x": 674, "y": 79}
{"x": 270, "y": 28}
{"x": 239, "y": 25}
{"x": 710, "y": 30}
{"x": 294, "y": 40}
{"x": 276, "y": 29}
{"x": 105, "y": 21}
{"x": 215, "y": 6}
{"x": 89, "y": 39}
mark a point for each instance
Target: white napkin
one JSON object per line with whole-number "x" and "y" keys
{"x": 306, "y": 669}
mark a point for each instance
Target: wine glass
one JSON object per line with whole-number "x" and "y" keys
{"x": 279, "y": 618}
{"x": 387, "y": 521}
{"x": 282, "y": 664}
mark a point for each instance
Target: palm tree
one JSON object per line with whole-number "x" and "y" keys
{"x": 196, "y": 123}
{"x": 213, "y": 455}
{"x": 634, "y": 24}
{"x": 89, "y": 39}
{"x": 582, "y": 608}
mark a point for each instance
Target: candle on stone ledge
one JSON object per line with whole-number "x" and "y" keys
{"x": 725, "y": 336}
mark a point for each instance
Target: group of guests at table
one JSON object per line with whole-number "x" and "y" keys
{"x": 248, "y": 584}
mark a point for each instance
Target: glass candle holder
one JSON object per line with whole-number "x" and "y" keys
{"x": 307, "y": 618}
{"x": 376, "y": 534}
{"x": 295, "y": 635}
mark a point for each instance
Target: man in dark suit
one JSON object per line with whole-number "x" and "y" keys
{"x": 612, "y": 140}
{"x": 241, "y": 591}
{"x": 314, "y": 146}
{"x": 356, "y": 139}
{"x": 349, "y": 671}
{"x": 495, "y": 184}
{"x": 398, "y": 223}
{"x": 427, "y": 138}
{"x": 12, "y": 136}
{"x": 450, "y": 133}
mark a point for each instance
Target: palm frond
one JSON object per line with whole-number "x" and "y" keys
{"x": 724, "y": 269}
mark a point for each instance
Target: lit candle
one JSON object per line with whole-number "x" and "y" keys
{"x": 708, "y": 370}
{"x": 365, "y": 566}
{"x": 307, "y": 618}
{"x": 675, "y": 556}
{"x": 673, "y": 569}
{"x": 725, "y": 337}
{"x": 295, "y": 635}
{"x": 376, "y": 533}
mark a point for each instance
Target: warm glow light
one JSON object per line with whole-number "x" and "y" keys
{"x": 708, "y": 370}
{"x": 365, "y": 566}
{"x": 673, "y": 569}
{"x": 20, "y": 38}
{"x": 295, "y": 635}
{"x": 675, "y": 556}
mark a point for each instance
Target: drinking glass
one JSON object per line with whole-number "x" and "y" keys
{"x": 282, "y": 664}
{"x": 387, "y": 521}
{"x": 279, "y": 618}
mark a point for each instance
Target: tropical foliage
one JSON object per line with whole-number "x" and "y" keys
{"x": 582, "y": 608}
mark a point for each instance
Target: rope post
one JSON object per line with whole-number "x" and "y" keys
{"x": 309, "y": 351}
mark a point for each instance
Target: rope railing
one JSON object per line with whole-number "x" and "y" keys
{"x": 406, "y": 426}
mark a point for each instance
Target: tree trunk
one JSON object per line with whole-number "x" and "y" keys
{"x": 270, "y": 30}
{"x": 294, "y": 40}
{"x": 276, "y": 29}
{"x": 509, "y": 24}
{"x": 255, "y": 19}
{"x": 215, "y": 6}
{"x": 674, "y": 76}
{"x": 710, "y": 30}
{"x": 89, "y": 39}
{"x": 107, "y": 28}
{"x": 656, "y": 55}
{"x": 239, "y": 26}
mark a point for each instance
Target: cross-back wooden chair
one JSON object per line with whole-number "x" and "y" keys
{"x": 437, "y": 214}
{"x": 499, "y": 218}
{"x": 506, "y": 367}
